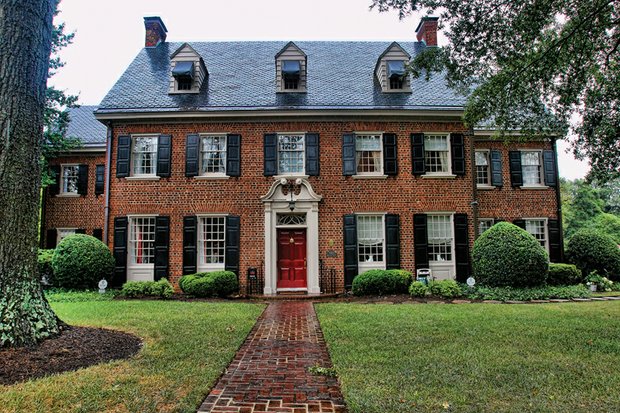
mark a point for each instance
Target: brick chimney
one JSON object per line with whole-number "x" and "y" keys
{"x": 427, "y": 30}
{"x": 155, "y": 31}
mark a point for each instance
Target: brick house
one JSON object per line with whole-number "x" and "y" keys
{"x": 300, "y": 165}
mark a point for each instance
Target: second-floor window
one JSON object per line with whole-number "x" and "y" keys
{"x": 368, "y": 154}
{"x": 482, "y": 168}
{"x": 144, "y": 155}
{"x": 436, "y": 153}
{"x": 291, "y": 150}
{"x": 531, "y": 167}
{"x": 213, "y": 155}
{"x": 70, "y": 175}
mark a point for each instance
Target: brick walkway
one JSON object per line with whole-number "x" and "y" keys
{"x": 269, "y": 373}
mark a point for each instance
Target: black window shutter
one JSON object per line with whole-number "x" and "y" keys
{"x": 99, "y": 179}
{"x": 392, "y": 241}
{"x": 233, "y": 155}
{"x": 519, "y": 222}
{"x": 461, "y": 246}
{"x": 82, "y": 183}
{"x": 420, "y": 239}
{"x": 231, "y": 258}
{"x": 496, "y": 168}
{"x": 164, "y": 155}
{"x": 313, "y": 166}
{"x": 457, "y": 143}
{"x": 550, "y": 168}
{"x": 350, "y": 249}
{"x": 270, "y": 152}
{"x": 123, "y": 156}
{"x": 555, "y": 241}
{"x": 51, "y": 237}
{"x": 54, "y": 187}
{"x": 98, "y": 233}
{"x": 390, "y": 154}
{"x": 190, "y": 232}
{"x": 192, "y": 143}
{"x": 162, "y": 245}
{"x": 80, "y": 231}
{"x": 348, "y": 156}
{"x": 417, "y": 154}
{"x": 516, "y": 174}
{"x": 120, "y": 251}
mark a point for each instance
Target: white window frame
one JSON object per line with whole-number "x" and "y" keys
{"x": 62, "y": 233}
{"x": 541, "y": 172}
{"x": 374, "y": 265}
{"x": 489, "y": 178}
{"x": 202, "y": 266}
{"x": 213, "y": 135}
{"x": 303, "y": 154}
{"x": 375, "y": 174}
{"x": 61, "y": 180}
{"x": 448, "y": 172}
{"x": 484, "y": 220}
{"x": 450, "y": 215}
{"x": 545, "y": 230}
{"x": 133, "y": 156}
{"x": 130, "y": 244}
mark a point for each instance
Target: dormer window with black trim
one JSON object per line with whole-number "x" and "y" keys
{"x": 396, "y": 74}
{"x": 183, "y": 73}
{"x": 291, "y": 74}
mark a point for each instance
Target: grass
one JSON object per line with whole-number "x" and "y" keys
{"x": 476, "y": 357}
{"x": 606, "y": 294}
{"x": 186, "y": 347}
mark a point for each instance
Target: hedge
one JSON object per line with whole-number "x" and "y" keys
{"x": 210, "y": 284}
{"x": 80, "y": 261}
{"x": 161, "y": 289}
{"x": 381, "y": 282}
{"x": 593, "y": 251}
{"x": 564, "y": 274}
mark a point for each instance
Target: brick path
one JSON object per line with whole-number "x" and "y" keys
{"x": 269, "y": 373}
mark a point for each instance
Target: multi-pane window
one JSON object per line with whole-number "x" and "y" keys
{"x": 368, "y": 155}
{"x": 370, "y": 239}
{"x": 70, "y": 179}
{"x": 184, "y": 83}
{"x": 537, "y": 227}
{"x": 144, "y": 155}
{"x": 439, "y": 237}
{"x": 291, "y": 154}
{"x": 396, "y": 83}
{"x": 484, "y": 224}
{"x": 213, "y": 155}
{"x": 531, "y": 167}
{"x": 482, "y": 168}
{"x": 142, "y": 240}
{"x": 63, "y": 233}
{"x": 436, "y": 154}
{"x": 212, "y": 240}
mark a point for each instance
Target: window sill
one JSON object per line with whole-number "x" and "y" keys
{"x": 369, "y": 176}
{"x": 141, "y": 266}
{"x": 486, "y": 187}
{"x": 210, "y": 267}
{"x": 290, "y": 176}
{"x": 534, "y": 187}
{"x": 211, "y": 177}
{"x": 438, "y": 176}
{"x": 68, "y": 195}
{"x": 142, "y": 178}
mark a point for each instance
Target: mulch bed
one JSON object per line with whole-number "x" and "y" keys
{"x": 74, "y": 348}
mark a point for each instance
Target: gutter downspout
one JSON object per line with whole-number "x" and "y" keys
{"x": 474, "y": 185}
{"x": 558, "y": 197}
{"x": 108, "y": 161}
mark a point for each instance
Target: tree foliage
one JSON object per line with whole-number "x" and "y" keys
{"x": 541, "y": 66}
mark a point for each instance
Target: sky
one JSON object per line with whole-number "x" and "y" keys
{"x": 109, "y": 34}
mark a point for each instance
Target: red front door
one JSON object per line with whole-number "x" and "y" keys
{"x": 292, "y": 258}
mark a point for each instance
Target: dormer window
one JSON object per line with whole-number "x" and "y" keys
{"x": 188, "y": 71}
{"x": 183, "y": 74}
{"x": 396, "y": 73}
{"x": 291, "y": 73}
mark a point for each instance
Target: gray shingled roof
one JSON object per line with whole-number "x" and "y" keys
{"x": 83, "y": 125}
{"x": 242, "y": 77}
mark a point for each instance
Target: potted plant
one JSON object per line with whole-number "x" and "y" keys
{"x": 597, "y": 282}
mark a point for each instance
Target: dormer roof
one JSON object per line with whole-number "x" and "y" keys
{"x": 288, "y": 47}
{"x": 187, "y": 64}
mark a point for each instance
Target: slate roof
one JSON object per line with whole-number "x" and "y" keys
{"x": 83, "y": 125}
{"x": 242, "y": 77}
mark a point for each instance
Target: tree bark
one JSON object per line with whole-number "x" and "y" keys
{"x": 25, "y": 41}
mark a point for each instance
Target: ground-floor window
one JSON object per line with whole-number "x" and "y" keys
{"x": 440, "y": 237}
{"x": 370, "y": 241}
{"x": 211, "y": 242}
{"x": 63, "y": 233}
{"x": 538, "y": 229}
{"x": 484, "y": 224}
{"x": 142, "y": 240}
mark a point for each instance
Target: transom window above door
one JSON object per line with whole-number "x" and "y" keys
{"x": 213, "y": 154}
{"x": 368, "y": 154}
{"x": 291, "y": 151}
{"x": 144, "y": 155}
{"x": 291, "y": 219}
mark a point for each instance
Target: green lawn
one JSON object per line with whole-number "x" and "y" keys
{"x": 606, "y": 294}
{"x": 476, "y": 357}
{"x": 187, "y": 346}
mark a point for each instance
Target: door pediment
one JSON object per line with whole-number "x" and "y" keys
{"x": 302, "y": 191}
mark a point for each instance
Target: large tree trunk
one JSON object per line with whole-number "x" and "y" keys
{"x": 25, "y": 41}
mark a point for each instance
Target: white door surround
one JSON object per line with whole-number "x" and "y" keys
{"x": 276, "y": 202}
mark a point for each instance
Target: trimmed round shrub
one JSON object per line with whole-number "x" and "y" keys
{"x": 80, "y": 261}
{"x": 161, "y": 288}
{"x": 44, "y": 264}
{"x": 508, "y": 256}
{"x": 210, "y": 284}
{"x": 564, "y": 274}
{"x": 592, "y": 251}
{"x": 445, "y": 289}
{"x": 418, "y": 289}
{"x": 381, "y": 282}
